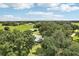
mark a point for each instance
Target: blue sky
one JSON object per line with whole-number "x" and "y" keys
{"x": 38, "y": 11}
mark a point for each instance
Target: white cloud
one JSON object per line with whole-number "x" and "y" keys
{"x": 50, "y": 6}
{"x": 40, "y": 13}
{"x": 3, "y": 5}
{"x": 33, "y": 16}
{"x": 48, "y": 17}
{"x": 44, "y": 15}
{"x": 21, "y": 5}
{"x": 54, "y": 4}
{"x": 63, "y": 7}
{"x": 58, "y": 15}
{"x": 10, "y": 18}
{"x": 42, "y": 4}
{"x": 68, "y": 8}
{"x": 71, "y": 3}
{"x": 17, "y": 6}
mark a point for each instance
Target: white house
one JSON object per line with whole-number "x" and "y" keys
{"x": 38, "y": 38}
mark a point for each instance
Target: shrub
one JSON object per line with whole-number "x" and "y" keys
{"x": 6, "y": 28}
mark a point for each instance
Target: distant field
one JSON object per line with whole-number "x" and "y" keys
{"x": 23, "y": 27}
{"x": 1, "y": 27}
{"x": 76, "y": 24}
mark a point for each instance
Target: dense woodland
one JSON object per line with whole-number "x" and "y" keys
{"x": 57, "y": 39}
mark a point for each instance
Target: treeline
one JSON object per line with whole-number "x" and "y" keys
{"x": 15, "y": 23}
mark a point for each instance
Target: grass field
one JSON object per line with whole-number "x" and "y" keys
{"x": 23, "y": 27}
{"x": 76, "y": 24}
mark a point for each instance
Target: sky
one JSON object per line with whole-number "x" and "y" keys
{"x": 39, "y": 11}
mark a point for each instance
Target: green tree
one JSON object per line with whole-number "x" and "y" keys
{"x": 55, "y": 44}
{"x": 56, "y": 38}
{"x": 16, "y": 43}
